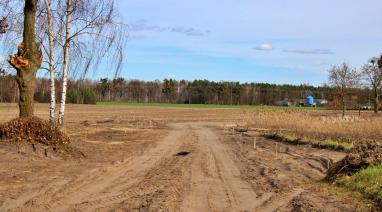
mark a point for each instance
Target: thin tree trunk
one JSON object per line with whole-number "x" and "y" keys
{"x": 376, "y": 101}
{"x": 231, "y": 95}
{"x": 343, "y": 106}
{"x": 66, "y": 63}
{"x": 52, "y": 107}
{"x": 27, "y": 61}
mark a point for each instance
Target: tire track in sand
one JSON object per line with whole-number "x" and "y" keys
{"x": 216, "y": 184}
{"x": 62, "y": 195}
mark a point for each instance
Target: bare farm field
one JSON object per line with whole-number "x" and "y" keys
{"x": 180, "y": 159}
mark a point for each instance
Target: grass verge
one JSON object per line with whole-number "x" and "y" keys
{"x": 353, "y": 197}
{"x": 296, "y": 140}
{"x": 367, "y": 181}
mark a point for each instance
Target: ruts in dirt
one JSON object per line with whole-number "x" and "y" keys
{"x": 196, "y": 167}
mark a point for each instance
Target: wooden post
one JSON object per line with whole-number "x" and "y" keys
{"x": 277, "y": 149}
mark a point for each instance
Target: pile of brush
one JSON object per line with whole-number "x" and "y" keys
{"x": 33, "y": 130}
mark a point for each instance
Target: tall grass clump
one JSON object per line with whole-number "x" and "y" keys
{"x": 367, "y": 181}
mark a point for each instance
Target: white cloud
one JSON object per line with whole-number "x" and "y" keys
{"x": 264, "y": 47}
{"x": 144, "y": 25}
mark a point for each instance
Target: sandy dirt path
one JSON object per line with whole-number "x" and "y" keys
{"x": 216, "y": 184}
{"x": 99, "y": 186}
{"x": 192, "y": 169}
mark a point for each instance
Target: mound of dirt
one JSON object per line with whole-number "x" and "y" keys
{"x": 33, "y": 130}
{"x": 364, "y": 154}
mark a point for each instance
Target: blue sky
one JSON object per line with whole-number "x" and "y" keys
{"x": 276, "y": 41}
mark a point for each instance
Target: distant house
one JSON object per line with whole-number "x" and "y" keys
{"x": 322, "y": 102}
{"x": 284, "y": 103}
{"x": 304, "y": 103}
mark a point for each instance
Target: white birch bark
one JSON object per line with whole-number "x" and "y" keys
{"x": 65, "y": 63}
{"x": 52, "y": 107}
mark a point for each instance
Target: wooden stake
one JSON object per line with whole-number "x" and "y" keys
{"x": 277, "y": 149}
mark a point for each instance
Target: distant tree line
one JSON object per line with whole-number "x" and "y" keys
{"x": 182, "y": 92}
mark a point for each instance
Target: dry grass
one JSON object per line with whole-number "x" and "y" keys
{"x": 319, "y": 125}
{"x": 328, "y": 129}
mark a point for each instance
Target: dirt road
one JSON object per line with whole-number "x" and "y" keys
{"x": 196, "y": 167}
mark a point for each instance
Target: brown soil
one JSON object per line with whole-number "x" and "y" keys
{"x": 279, "y": 173}
{"x": 157, "y": 159}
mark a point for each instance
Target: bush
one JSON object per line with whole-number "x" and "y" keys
{"x": 84, "y": 96}
{"x": 42, "y": 97}
{"x": 71, "y": 97}
{"x": 88, "y": 96}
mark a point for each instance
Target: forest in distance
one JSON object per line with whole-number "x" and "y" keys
{"x": 184, "y": 92}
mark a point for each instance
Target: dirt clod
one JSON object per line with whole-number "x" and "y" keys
{"x": 301, "y": 204}
{"x": 364, "y": 154}
{"x": 183, "y": 153}
{"x": 105, "y": 121}
{"x": 33, "y": 130}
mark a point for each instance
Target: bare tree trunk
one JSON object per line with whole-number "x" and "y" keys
{"x": 66, "y": 62}
{"x": 27, "y": 61}
{"x": 52, "y": 107}
{"x": 376, "y": 101}
{"x": 343, "y": 105}
{"x": 26, "y": 83}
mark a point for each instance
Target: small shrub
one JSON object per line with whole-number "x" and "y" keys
{"x": 71, "y": 97}
{"x": 83, "y": 96}
{"x": 89, "y": 96}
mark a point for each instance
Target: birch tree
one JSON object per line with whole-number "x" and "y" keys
{"x": 68, "y": 22}
{"x": 93, "y": 32}
{"x": 51, "y": 63}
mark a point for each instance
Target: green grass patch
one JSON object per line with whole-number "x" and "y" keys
{"x": 368, "y": 181}
{"x": 295, "y": 139}
{"x": 287, "y": 138}
{"x": 331, "y": 144}
{"x": 211, "y": 106}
